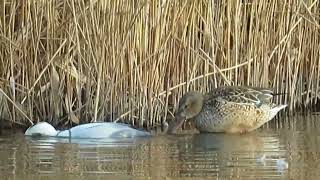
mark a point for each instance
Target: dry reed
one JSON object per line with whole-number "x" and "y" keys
{"x": 81, "y": 61}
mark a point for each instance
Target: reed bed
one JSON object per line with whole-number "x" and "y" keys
{"x": 76, "y": 61}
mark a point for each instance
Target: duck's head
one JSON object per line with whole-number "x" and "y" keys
{"x": 190, "y": 106}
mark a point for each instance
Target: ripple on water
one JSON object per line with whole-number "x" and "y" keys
{"x": 289, "y": 152}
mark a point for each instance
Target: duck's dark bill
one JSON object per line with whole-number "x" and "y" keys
{"x": 177, "y": 124}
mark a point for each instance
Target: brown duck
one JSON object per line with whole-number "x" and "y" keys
{"x": 229, "y": 109}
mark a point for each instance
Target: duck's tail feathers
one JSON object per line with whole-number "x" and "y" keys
{"x": 274, "y": 111}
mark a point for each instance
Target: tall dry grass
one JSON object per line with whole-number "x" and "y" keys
{"x": 79, "y": 61}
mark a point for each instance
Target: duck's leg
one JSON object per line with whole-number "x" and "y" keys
{"x": 243, "y": 131}
{"x": 239, "y": 129}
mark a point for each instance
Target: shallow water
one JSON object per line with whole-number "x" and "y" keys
{"x": 286, "y": 149}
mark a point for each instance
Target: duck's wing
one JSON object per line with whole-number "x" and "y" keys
{"x": 102, "y": 130}
{"x": 241, "y": 94}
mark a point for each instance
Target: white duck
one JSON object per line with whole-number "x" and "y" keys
{"x": 90, "y": 130}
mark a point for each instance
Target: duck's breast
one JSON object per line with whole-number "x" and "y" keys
{"x": 209, "y": 120}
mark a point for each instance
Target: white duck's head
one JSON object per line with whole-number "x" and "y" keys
{"x": 41, "y": 129}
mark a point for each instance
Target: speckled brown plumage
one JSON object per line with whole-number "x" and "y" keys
{"x": 232, "y": 109}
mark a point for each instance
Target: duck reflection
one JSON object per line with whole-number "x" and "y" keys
{"x": 205, "y": 154}
{"x": 94, "y": 156}
{"x": 219, "y": 154}
{"x": 250, "y": 142}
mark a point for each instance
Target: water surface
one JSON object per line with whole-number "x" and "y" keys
{"x": 285, "y": 149}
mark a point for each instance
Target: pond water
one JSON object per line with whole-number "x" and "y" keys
{"x": 284, "y": 149}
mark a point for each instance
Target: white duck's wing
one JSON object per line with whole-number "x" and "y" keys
{"x": 102, "y": 130}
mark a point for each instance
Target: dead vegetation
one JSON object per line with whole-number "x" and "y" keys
{"x": 80, "y": 61}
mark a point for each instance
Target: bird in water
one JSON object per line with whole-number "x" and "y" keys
{"x": 90, "y": 130}
{"x": 227, "y": 109}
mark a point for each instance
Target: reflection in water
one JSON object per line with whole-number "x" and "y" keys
{"x": 290, "y": 151}
{"x": 220, "y": 154}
